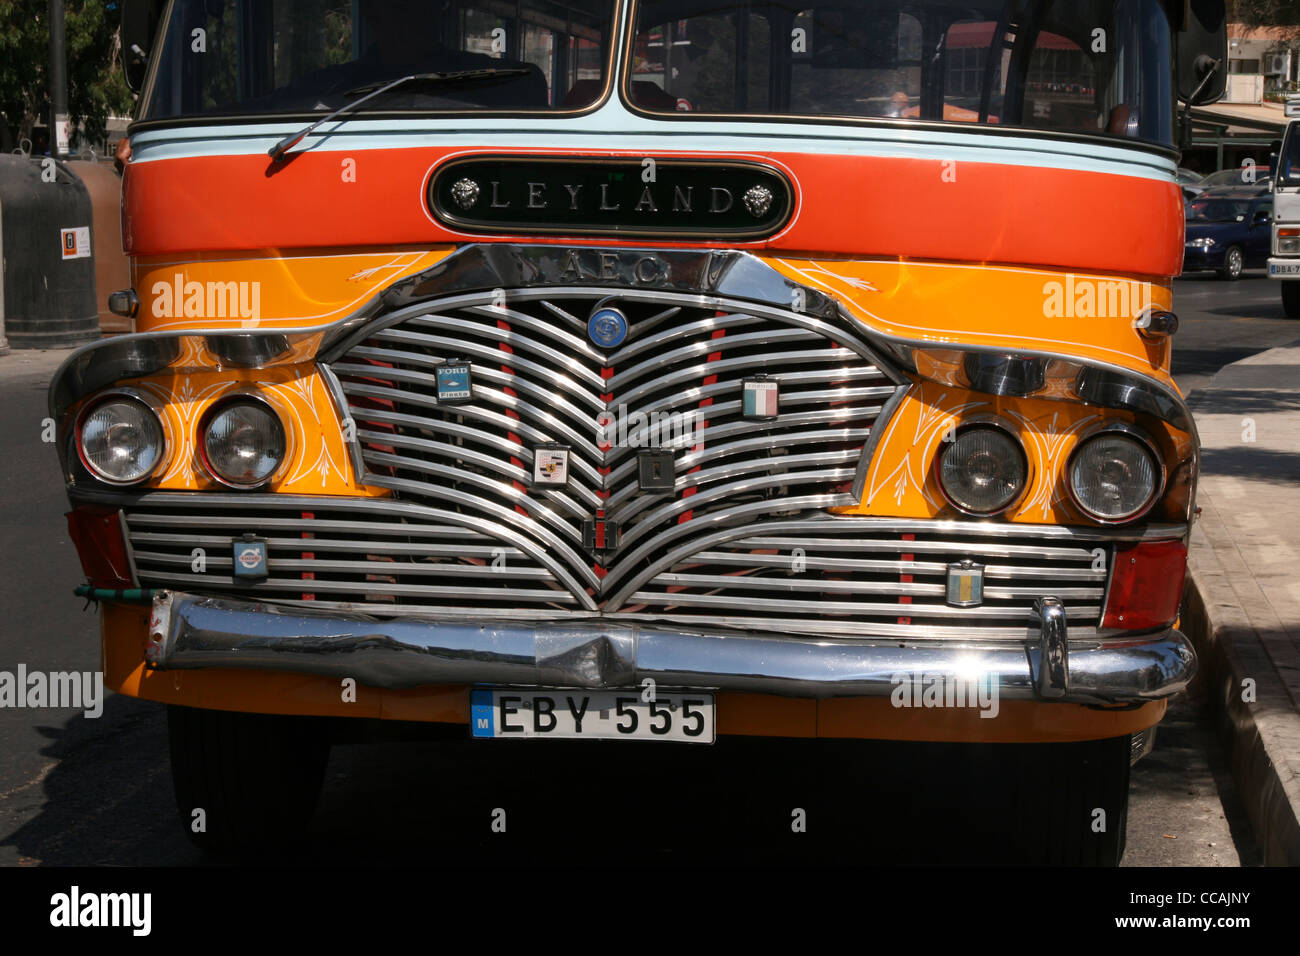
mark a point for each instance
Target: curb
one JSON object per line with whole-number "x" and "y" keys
{"x": 1262, "y": 738}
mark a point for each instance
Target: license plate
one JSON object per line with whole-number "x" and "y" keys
{"x": 1284, "y": 270}
{"x": 684, "y": 716}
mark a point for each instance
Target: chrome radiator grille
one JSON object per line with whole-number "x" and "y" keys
{"x": 676, "y": 381}
{"x": 826, "y": 575}
{"x": 881, "y": 577}
{"x": 743, "y": 540}
{"x": 343, "y": 550}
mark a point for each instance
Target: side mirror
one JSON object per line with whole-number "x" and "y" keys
{"x": 1203, "y": 53}
{"x": 139, "y": 26}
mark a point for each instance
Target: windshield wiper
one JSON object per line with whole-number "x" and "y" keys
{"x": 372, "y": 90}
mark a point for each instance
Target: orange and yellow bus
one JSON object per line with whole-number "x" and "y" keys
{"x": 646, "y": 369}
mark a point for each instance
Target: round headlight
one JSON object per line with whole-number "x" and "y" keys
{"x": 243, "y": 443}
{"x": 121, "y": 440}
{"x": 983, "y": 471}
{"x": 1114, "y": 477}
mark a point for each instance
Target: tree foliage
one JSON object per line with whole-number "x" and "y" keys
{"x": 1264, "y": 13}
{"x": 95, "y": 84}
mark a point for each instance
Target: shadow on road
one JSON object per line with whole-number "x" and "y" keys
{"x": 106, "y": 798}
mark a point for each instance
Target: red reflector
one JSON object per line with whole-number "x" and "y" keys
{"x": 97, "y": 534}
{"x": 1147, "y": 585}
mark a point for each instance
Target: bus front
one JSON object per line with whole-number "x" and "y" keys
{"x": 644, "y": 370}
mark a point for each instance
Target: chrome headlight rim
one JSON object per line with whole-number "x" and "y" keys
{"x": 1148, "y": 445}
{"x": 223, "y": 404}
{"x": 995, "y": 424}
{"x": 134, "y": 397}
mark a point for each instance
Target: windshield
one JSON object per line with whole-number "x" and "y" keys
{"x": 1088, "y": 66}
{"x": 1239, "y": 176}
{"x": 1218, "y": 210}
{"x": 307, "y": 56}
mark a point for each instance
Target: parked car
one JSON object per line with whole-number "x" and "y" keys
{"x": 1228, "y": 230}
{"x": 1259, "y": 178}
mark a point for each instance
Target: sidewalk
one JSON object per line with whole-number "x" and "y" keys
{"x": 1243, "y": 601}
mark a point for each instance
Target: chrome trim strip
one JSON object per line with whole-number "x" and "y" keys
{"x": 378, "y": 568}
{"x": 830, "y": 586}
{"x": 507, "y": 471}
{"x": 748, "y": 559}
{"x": 188, "y": 632}
{"x": 616, "y": 507}
{"x": 469, "y": 350}
{"x": 985, "y": 612}
{"x": 451, "y": 549}
{"x": 478, "y": 413}
{"x": 503, "y": 491}
{"x": 680, "y": 505}
{"x": 458, "y": 430}
{"x": 559, "y": 596}
{"x": 344, "y": 410}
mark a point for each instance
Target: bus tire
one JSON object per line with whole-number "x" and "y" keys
{"x": 1071, "y": 804}
{"x": 255, "y": 778}
{"x": 1291, "y": 298}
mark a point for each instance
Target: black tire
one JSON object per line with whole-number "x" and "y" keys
{"x": 256, "y": 777}
{"x": 1291, "y": 298}
{"x": 1060, "y": 789}
{"x": 1234, "y": 261}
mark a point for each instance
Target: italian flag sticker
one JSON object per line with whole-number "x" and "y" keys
{"x": 761, "y": 398}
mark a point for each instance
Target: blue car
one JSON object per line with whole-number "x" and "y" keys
{"x": 1228, "y": 230}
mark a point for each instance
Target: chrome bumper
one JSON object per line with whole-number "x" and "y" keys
{"x": 189, "y": 632}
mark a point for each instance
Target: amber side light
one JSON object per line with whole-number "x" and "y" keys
{"x": 97, "y": 534}
{"x": 1146, "y": 587}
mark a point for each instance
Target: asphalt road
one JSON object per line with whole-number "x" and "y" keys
{"x": 75, "y": 790}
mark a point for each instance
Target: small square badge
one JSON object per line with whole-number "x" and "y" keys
{"x": 249, "y": 557}
{"x": 551, "y": 465}
{"x": 761, "y": 399}
{"x": 454, "y": 382}
{"x": 656, "y": 470}
{"x": 965, "y": 584}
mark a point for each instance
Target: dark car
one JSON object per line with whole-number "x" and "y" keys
{"x": 1228, "y": 230}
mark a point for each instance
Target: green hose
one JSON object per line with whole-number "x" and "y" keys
{"x": 129, "y": 595}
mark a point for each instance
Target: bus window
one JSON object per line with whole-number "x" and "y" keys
{"x": 1061, "y": 65}
{"x": 308, "y": 56}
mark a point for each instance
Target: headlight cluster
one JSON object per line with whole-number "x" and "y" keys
{"x": 983, "y": 470}
{"x": 121, "y": 440}
{"x": 1205, "y": 242}
{"x": 1113, "y": 477}
{"x": 241, "y": 441}
{"x": 1288, "y": 242}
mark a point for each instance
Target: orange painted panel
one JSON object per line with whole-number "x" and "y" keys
{"x": 845, "y": 206}
{"x": 271, "y": 289}
{"x": 1017, "y": 721}
{"x": 1085, "y": 314}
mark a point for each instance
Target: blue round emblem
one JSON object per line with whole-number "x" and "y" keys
{"x": 607, "y": 328}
